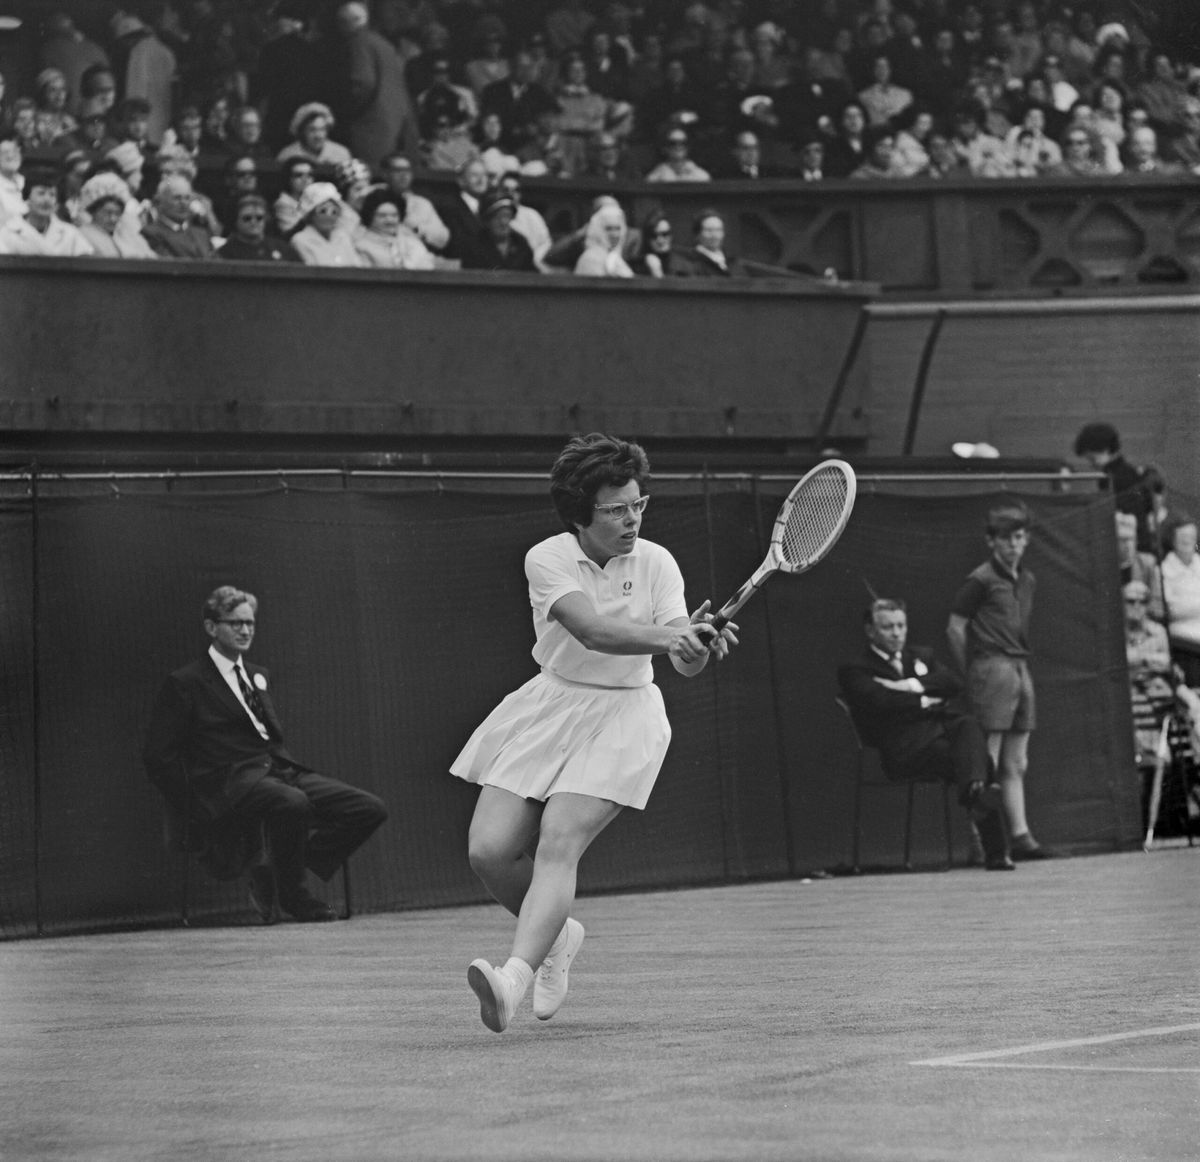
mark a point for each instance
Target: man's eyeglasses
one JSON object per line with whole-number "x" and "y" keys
{"x": 621, "y": 511}
{"x": 236, "y": 623}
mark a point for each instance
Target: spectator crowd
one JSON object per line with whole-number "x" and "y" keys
{"x": 293, "y": 130}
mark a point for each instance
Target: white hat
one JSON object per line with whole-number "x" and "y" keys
{"x": 311, "y": 109}
{"x": 103, "y": 185}
{"x": 1107, "y": 31}
{"x": 317, "y": 195}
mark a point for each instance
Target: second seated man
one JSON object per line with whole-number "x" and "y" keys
{"x": 900, "y": 698}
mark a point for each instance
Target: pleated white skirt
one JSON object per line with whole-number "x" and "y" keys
{"x": 553, "y": 735}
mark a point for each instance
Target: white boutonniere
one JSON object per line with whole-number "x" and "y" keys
{"x": 260, "y": 682}
{"x": 920, "y": 668}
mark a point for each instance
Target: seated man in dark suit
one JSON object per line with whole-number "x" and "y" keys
{"x": 899, "y": 698}
{"x": 215, "y": 749}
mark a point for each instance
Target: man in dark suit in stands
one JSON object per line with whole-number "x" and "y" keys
{"x": 899, "y": 697}
{"x": 745, "y": 161}
{"x": 519, "y": 100}
{"x": 461, "y": 212}
{"x": 215, "y": 749}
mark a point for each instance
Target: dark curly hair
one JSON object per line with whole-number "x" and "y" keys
{"x": 585, "y": 466}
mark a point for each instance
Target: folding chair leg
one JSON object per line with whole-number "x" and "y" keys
{"x": 185, "y": 878}
{"x": 946, "y": 816}
{"x": 348, "y": 911}
{"x": 1160, "y": 763}
{"x": 908, "y": 816}
{"x": 856, "y": 825}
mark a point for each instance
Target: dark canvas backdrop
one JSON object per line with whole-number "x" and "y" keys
{"x": 392, "y": 621}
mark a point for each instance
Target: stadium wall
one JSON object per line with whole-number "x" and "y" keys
{"x": 1025, "y": 376}
{"x": 375, "y": 599}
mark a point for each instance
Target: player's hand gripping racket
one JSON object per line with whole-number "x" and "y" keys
{"x": 808, "y": 525}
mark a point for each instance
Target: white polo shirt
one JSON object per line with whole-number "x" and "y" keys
{"x": 644, "y": 587}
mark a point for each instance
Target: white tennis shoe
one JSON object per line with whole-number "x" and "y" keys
{"x": 499, "y": 995}
{"x": 550, "y": 983}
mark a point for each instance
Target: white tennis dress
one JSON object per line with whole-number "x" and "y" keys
{"x": 589, "y": 723}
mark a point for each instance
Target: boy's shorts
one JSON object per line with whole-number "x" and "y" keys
{"x": 1000, "y": 689}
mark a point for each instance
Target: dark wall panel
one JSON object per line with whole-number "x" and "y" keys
{"x": 392, "y": 622}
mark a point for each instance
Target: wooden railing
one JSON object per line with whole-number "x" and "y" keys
{"x": 1040, "y": 236}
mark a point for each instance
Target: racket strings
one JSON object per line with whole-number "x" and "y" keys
{"x": 815, "y": 518}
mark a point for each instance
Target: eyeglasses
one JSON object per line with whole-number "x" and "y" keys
{"x": 662, "y": 233}
{"x": 621, "y": 511}
{"x": 237, "y": 623}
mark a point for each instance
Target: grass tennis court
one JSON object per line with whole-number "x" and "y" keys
{"x": 1050, "y": 1013}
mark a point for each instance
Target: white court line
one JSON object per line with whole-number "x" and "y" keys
{"x": 1045, "y": 1046}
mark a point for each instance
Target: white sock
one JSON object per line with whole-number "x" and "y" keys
{"x": 518, "y": 972}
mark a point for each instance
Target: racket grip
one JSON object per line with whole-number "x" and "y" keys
{"x": 718, "y": 623}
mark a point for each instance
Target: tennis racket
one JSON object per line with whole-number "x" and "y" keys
{"x": 808, "y": 525}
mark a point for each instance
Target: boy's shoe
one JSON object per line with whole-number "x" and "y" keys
{"x": 1025, "y": 847}
{"x": 498, "y": 994}
{"x": 550, "y": 983}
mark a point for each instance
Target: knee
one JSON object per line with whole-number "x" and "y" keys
{"x": 559, "y": 846}
{"x": 487, "y": 853}
{"x": 289, "y": 803}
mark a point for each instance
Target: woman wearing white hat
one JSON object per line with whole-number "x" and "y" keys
{"x": 310, "y": 126}
{"x": 323, "y": 240}
{"x": 104, "y": 199}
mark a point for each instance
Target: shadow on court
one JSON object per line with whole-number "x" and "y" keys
{"x": 1051, "y": 1013}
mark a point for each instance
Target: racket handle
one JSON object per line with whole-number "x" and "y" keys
{"x": 719, "y": 623}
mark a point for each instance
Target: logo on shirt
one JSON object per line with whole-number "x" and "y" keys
{"x": 627, "y": 588}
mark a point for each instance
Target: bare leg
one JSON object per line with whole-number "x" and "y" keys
{"x": 569, "y": 825}
{"x": 501, "y": 828}
{"x": 1010, "y": 754}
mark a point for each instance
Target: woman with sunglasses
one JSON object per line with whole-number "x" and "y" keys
{"x": 249, "y": 241}
{"x": 657, "y": 256}
{"x": 560, "y": 757}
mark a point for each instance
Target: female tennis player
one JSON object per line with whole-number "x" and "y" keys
{"x": 561, "y": 756}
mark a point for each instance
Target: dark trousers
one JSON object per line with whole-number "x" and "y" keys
{"x": 310, "y": 821}
{"x": 959, "y": 755}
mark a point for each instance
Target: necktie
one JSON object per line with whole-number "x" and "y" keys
{"x": 898, "y": 665}
{"x": 253, "y": 701}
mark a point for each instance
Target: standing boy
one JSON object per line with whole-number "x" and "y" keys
{"x": 989, "y": 637}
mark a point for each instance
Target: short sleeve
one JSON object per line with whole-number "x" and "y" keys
{"x": 969, "y": 598}
{"x": 669, "y": 601}
{"x": 551, "y": 575}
